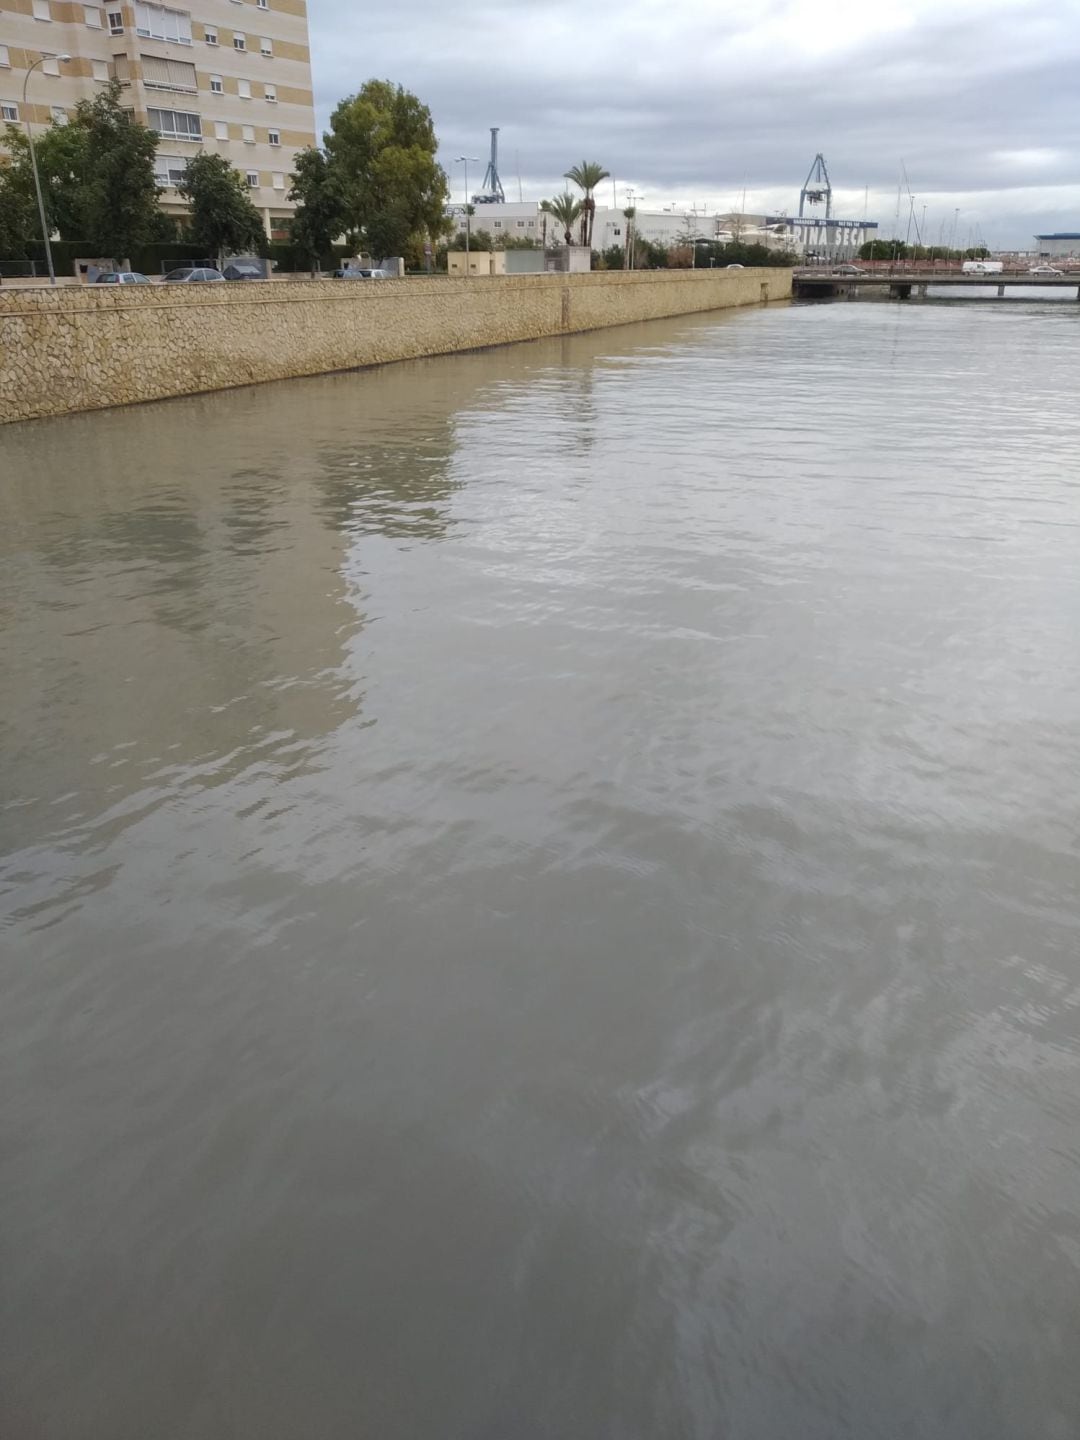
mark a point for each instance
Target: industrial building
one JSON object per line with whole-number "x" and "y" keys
{"x": 1064, "y": 245}
{"x": 232, "y": 76}
{"x": 810, "y": 236}
{"x": 814, "y": 234}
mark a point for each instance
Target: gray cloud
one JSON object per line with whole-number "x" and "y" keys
{"x": 694, "y": 103}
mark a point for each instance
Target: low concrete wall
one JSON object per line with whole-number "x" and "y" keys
{"x": 66, "y": 350}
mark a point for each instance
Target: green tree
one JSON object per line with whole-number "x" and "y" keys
{"x": 60, "y": 152}
{"x": 564, "y": 210}
{"x": 97, "y": 180}
{"x": 222, "y": 215}
{"x": 319, "y": 197}
{"x": 19, "y": 223}
{"x": 118, "y": 196}
{"x": 883, "y": 250}
{"x": 587, "y": 176}
{"x": 382, "y": 145}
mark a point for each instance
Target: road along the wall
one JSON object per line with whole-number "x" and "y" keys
{"x": 65, "y": 350}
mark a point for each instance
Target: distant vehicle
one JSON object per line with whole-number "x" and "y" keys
{"x": 197, "y": 276}
{"x": 350, "y": 272}
{"x": 983, "y": 267}
{"x": 1046, "y": 270}
{"x": 848, "y": 270}
{"x": 121, "y": 277}
{"x": 734, "y": 267}
{"x": 244, "y": 270}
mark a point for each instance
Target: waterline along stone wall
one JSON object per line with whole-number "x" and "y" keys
{"x": 65, "y": 349}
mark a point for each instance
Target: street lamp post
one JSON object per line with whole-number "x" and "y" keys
{"x": 464, "y": 160}
{"x": 62, "y": 60}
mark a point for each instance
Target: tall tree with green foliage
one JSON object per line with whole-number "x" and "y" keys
{"x": 587, "y": 176}
{"x": 382, "y": 145}
{"x": 119, "y": 195}
{"x": 319, "y": 198}
{"x": 564, "y": 210}
{"x": 223, "y": 219}
{"x": 60, "y": 152}
{"x": 19, "y": 223}
{"x": 97, "y": 179}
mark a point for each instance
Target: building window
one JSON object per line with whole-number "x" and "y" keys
{"x": 175, "y": 124}
{"x": 50, "y": 65}
{"x": 239, "y": 42}
{"x": 279, "y": 180}
{"x": 4, "y": 61}
{"x": 59, "y": 115}
{"x": 616, "y": 231}
{"x": 92, "y": 16}
{"x": 160, "y": 74}
{"x": 210, "y": 36}
{"x": 243, "y": 89}
{"x": 270, "y": 92}
{"x": 158, "y": 23}
{"x": 9, "y": 111}
{"x": 41, "y": 10}
{"x": 216, "y": 87}
{"x": 521, "y": 224}
{"x": 169, "y": 170}
{"x": 266, "y": 46}
{"x": 99, "y": 70}
{"x": 253, "y": 179}
{"x": 116, "y": 22}
{"x": 248, "y": 132}
{"x": 274, "y": 136}
{"x": 221, "y": 130}
{"x": 263, "y": 4}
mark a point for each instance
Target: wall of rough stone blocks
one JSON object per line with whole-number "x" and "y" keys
{"x": 89, "y": 348}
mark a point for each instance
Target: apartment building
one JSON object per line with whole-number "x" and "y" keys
{"x": 227, "y": 75}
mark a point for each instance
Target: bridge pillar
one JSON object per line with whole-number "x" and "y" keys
{"x": 1001, "y": 291}
{"x": 921, "y": 292}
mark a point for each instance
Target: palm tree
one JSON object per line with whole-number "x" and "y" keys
{"x": 587, "y": 176}
{"x": 628, "y": 258}
{"x": 564, "y": 209}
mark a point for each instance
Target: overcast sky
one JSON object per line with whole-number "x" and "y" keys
{"x": 693, "y": 101}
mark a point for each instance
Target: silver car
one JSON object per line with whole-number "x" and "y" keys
{"x": 121, "y": 277}
{"x": 195, "y": 276}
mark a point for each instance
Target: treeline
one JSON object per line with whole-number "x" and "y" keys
{"x": 900, "y": 250}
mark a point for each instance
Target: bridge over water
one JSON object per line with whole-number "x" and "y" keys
{"x": 901, "y": 284}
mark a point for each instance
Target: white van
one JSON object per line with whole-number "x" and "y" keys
{"x": 983, "y": 267}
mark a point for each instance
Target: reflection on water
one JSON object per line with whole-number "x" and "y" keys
{"x": 538, "y": 893}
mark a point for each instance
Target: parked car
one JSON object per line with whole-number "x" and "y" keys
{"x": 196, "y": 276}
{"x": 349, "y": 272}
{"x": 244, "y": 270}
{"x": 734, "y": 267}
{"x": 1044, "y": 270}
{"x": 121, "y": 277}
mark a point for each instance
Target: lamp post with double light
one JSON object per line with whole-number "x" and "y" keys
{"x": 465, "y": 160}
{"x": 61, "y": 60}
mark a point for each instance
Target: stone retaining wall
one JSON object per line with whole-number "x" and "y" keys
{"x": 64, "y": 350}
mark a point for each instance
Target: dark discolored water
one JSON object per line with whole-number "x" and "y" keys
{"x": 540, "y": 894}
